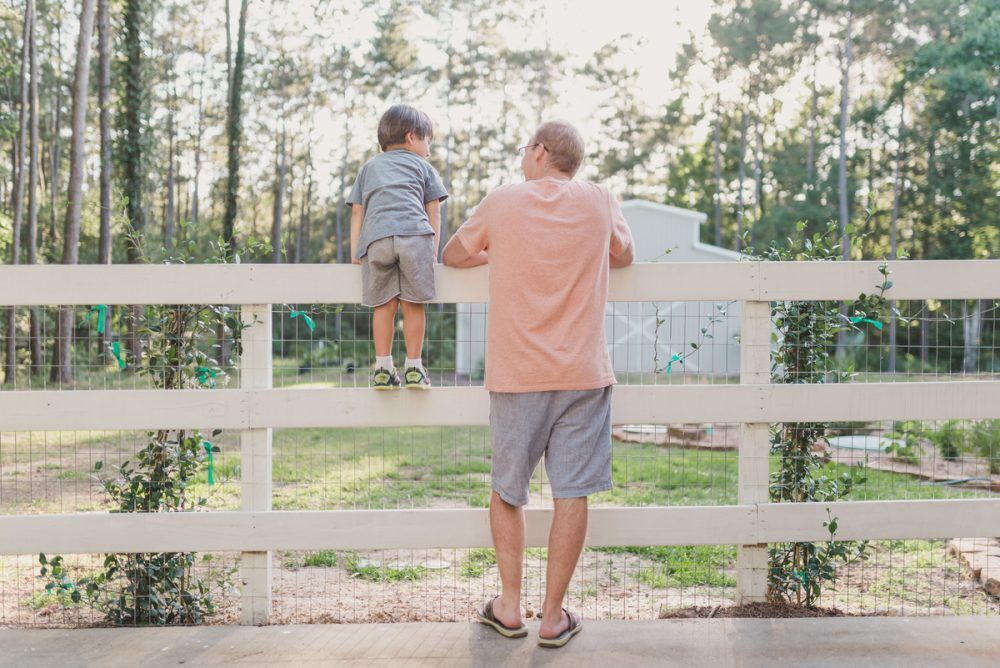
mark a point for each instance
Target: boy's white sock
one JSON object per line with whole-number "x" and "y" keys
{"x": 413, "y": 362}
{"x": 384, "y": 362}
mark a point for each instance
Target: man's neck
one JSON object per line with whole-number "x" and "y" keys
{"x": 552, "y": 174}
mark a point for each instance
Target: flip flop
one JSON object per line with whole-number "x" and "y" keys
{"x": 487, "y": 617}
{"x": 575, "y": 626}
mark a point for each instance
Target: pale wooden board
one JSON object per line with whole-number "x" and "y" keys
{"x": 361, "y": 407}
{"x": 91, "y": 533}
{"x": 341, "y": 284}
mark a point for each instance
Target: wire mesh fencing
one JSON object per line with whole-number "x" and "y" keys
{"x": 449, "y": 467}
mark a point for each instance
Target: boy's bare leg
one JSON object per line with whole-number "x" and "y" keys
{"x": 414, "y": 324}
{"x": 383, "y": 326}
{"x": 507, "y": 527}
{"x": 569, "y": 529}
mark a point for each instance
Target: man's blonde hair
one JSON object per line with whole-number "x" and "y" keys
{"x": 563, "y": 143}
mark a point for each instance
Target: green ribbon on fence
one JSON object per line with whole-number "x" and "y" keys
{"x": 211, "y": 461}
{"x": 305, "y": 316}
{"x": 674, "y": 358}
{"x": 116, "y": 350}
{"x": 858, "y": 319}
{"x": 203, "y": 376}
{"x": 101, "y": 310}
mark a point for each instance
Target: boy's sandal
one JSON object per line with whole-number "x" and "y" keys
{"x": 575, "y": 626}
{"x": 487, "y": 617}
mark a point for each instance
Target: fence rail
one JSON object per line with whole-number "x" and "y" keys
{"x": 256, "y": 409}
{"x": 39, "y": 285}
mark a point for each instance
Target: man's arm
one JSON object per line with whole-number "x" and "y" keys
{"x": 357, "y": 215}
{"x": 623, "y": 259}
{"x": 433, "y": 209}
{"x": 455, "y": 255}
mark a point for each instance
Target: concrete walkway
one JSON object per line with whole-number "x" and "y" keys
{"x": 884, "y": 642}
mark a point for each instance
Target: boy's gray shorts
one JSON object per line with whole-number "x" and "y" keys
{"x": 398, "y": 267}
{"x": 571, "y": 428}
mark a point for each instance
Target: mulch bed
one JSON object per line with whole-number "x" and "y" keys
{"x": 753, "y": 610}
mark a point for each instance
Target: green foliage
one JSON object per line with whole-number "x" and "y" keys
{"x": 683, "y": 565}
{"x": 985, "y": 441}
{"x": 950, "y": 440}
{"x": 476, "y": 561}
{"x": 160, "y": 588}
{"x": 360, "y": 568}
{"x": 806, "y": 332}
{"x": 327, "y": 558}
{"x": 905, "y": 446}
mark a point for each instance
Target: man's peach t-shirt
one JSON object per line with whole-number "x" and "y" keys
{"x": 548, "y": 242}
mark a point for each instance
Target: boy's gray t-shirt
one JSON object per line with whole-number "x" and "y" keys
{"x": 394, "y": 187}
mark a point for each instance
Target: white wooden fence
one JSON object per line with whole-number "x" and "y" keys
{"x": 255, "y": 409}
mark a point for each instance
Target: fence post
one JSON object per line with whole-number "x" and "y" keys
{"x": 255, "y": 470}
{"x": 754, "y": 446}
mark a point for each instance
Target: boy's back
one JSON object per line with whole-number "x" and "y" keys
{"x": 394, "y": 188}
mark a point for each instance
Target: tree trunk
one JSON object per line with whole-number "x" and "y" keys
{"x": 169, "y": 214}
{"x": 279, "y": 194}
{"x": 62, "y": 371}
{"x": 35, "y": 326}
{"x": 758, "y": 172}
{"x": 301, "y": 232}
{"x": 845, "y": 97}
{"x": 893, "y": 225}
{"x": 971, "y": 332}
{"x": 104, "y": 87}
{"x": 930, "y": 209}
{"x": 234, "y": 131}
{"x": 717, "y": 150}
{"x": 10, "y": 361}
{"x": 738, "y": 244}
{"x": 197, "y": 147}
{"x": 343, "y": 181}
{"x": 56, "y": 153}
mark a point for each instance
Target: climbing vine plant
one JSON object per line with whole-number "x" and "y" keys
{"x": 804, "y": 333}
{"x": 162, "y": 587}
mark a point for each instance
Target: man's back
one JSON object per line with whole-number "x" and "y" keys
{"x": 548, "y": 242}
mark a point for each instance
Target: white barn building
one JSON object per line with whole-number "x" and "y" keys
{"x": 662, "y": 234}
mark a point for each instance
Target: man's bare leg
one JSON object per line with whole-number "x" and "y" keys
{"x": 507, "y": 526}
{"x": 566, "y": 537}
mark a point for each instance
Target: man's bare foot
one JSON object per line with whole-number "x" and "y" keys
{"x": 553, "y": 625}
{"x": 507, "y": 614}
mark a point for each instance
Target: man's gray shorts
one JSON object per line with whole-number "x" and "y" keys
{"x": 571, "y": 428}
{"x": 398, "y": 267}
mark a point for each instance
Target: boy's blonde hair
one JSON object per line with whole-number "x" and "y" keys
{"x": 398, "y": 121}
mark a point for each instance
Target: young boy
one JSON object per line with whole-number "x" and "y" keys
{"x": 395, "y": 224}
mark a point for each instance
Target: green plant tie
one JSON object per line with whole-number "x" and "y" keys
{"x": 305, "y": 316}
{"x": 101, "y": 310}
{"x": 858, "y": 319}
{"x": 116, "y": 350}
{"x": 674, "y": 358}
{"x": 203, "y": 376}
{"x": 211, "y": 461}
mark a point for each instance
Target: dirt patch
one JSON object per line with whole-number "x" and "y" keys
{"x": 971, "y": 471}
{"x": 751, "y": 610}
{"x": 701, "y": 437}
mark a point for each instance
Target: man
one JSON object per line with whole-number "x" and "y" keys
{"x": 550, "y": 242}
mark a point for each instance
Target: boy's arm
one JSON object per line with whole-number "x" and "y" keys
{"x": 357, "y": 216}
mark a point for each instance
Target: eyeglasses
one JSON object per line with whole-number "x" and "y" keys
{"x": 522, "y": 149}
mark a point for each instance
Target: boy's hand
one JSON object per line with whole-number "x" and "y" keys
{"x": 355, "y": 260}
